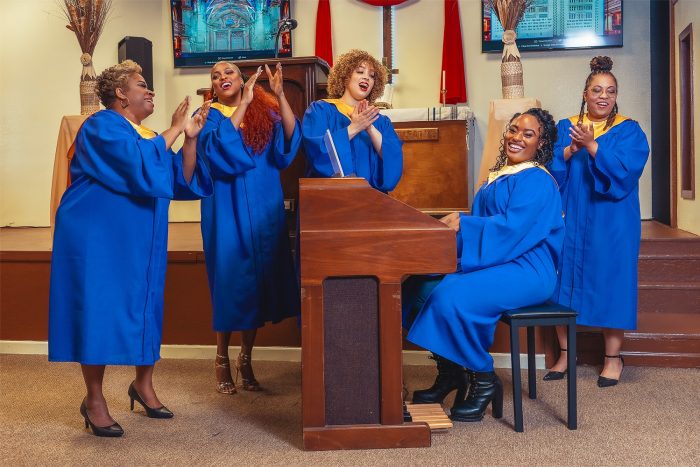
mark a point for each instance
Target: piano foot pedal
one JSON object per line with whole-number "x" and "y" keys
{"x": 432, "y": 414}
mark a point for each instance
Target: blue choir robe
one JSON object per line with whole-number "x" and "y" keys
{"x": 508, "y": 250}
{"x": 110, "y": 243}
{"x": 357, "y": 156}
{"x": 600, "y": 196}
{"x": 244, "y": 228}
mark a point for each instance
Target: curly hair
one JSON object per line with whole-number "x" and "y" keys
{"x": 600, "y": 65}
{"x": 548, "y": 136}
{"x": 346, "y": 64}
{"x": 115, "y": 77}
{"x": 260, "y": 116}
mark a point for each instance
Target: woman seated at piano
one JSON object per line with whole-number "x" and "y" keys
{"x": 365, "y": 141}
{"x": 507, "y": 251}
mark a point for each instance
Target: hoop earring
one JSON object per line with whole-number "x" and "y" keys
{"x": 539, "y": 154}
{"x": 124, "y": 103}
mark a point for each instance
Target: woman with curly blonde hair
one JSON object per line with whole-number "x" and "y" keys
{"x": 110, "y": 244}
{"x": 365, "y": 141}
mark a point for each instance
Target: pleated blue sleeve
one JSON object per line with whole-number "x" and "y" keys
{"x": 113, "y": 153}
{"x": 201, "y": 185}
{"x": 317, "y": 119}
{"x": 527, "y": 220}
{"x": 619, "y": 161}
{"x": 559, "y": 168}
{"x": 285, "y": 151}
{"x": 388, "y": 168}
{"x": 221, "y": 145}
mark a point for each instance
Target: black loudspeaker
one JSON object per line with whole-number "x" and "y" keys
{"x": 138, "y": 49}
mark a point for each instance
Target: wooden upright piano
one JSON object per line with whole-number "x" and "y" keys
{"x": 356, "y": 246}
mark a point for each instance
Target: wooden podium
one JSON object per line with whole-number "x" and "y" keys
{"x": 356, "y": 246}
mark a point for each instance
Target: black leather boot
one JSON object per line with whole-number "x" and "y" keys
{"x": 484, "y": 388}
{"x": 450, "y": 376}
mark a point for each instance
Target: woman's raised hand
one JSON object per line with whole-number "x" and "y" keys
{"x": 247, "y": 96}
{"x": 180, "y": 116}
{"x": 363, "y": 116}
{"x": 196, "y": 123}
{"x": 581, "y": 136}
{"x": 276, "y": 81}
{"x": 452, "y": 221}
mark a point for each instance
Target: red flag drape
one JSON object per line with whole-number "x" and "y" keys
{"x": 324, "y": 39}
{"x": 453, "y": 57}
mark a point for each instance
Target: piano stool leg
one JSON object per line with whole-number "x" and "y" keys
{"x": 531, "y": 365}
{"x": 571, "y": 374}
{"x": 515, "y": 364}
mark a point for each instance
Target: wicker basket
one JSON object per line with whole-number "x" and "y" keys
{"x": 512, "y": 79}
{"x": 511, "y": 68}
{"x": 89, "y": 102}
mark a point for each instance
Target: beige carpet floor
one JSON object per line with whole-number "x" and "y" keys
{"x": 651, "y": 418}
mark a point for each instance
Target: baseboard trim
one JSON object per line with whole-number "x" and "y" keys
{"x": 277, "y": 354}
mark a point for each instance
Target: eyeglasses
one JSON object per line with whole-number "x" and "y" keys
{"x": 596, "y": 91}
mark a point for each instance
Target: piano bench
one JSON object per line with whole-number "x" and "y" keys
{"x": 546, "y": 314}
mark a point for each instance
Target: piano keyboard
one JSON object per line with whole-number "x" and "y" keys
{"x": 432, "y": 414}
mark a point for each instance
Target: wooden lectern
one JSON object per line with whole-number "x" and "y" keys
{"x": 356, "y": 246}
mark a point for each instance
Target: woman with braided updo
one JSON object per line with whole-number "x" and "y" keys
{"x": 507, "y": 250}
{"x": 598, "y": 160}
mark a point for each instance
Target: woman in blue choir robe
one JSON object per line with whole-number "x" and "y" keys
{"x": 508, "y": 249}
{"x": 110, "y": 243}
{"x": 365, "y": 141}
{"x": 598, "y": 160}
{"x": 249, "y": 137}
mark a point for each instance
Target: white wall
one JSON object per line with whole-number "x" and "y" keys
{"x": 39, "y": 81}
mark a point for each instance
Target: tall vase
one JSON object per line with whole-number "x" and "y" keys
{"x": 511, "y": 68}
{"x": 89, "y": 102}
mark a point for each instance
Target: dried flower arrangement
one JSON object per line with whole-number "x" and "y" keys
{"x": 86, "y": 18}
{"x": 509, "y": 13}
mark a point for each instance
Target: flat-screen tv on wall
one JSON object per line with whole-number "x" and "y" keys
{"x": 207, "y": 31}
{"x": 558, "y": 24}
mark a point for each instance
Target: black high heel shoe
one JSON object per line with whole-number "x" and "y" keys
{"x": 485, "y": 389}
{"x": 160, "y": 412}
{"x": 555, "y": 375}
{"x": 450, "y": 376}
{"x": 604, "y": 382}
{"x": 113, "y": 431}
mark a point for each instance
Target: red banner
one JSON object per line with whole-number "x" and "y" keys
{"x": 324, "y": 39}
{"x": 452, "y": 77}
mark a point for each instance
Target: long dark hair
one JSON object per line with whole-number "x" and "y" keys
{"x": 600, "y": 65}
{"x": 548, "y": 136}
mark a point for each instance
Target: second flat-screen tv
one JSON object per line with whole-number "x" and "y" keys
{"x": 558, "y": 24}
{"x": 207, "y": 31}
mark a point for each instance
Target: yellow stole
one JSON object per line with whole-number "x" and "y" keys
{"x": 145, "y": 133}
{"x": 514, "y": 169}
{"x": 343, "y": 108}
{"x": 226, "y": 110}
{"x": 598, "y": 126}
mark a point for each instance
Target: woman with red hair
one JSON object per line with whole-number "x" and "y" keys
{"x": 249, "y": 137}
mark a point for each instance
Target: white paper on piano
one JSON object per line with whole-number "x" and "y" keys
{"x": 333, "y": 155}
